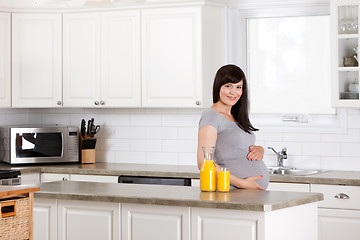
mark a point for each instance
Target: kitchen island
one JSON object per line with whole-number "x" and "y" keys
{"x": 83, "y": 210}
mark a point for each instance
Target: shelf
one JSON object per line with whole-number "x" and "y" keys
{"x": 348, "y": 69}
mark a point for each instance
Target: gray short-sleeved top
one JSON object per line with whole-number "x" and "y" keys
{"x": 232, "y": 147}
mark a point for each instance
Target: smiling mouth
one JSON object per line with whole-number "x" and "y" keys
{"x": 232, "y": 98}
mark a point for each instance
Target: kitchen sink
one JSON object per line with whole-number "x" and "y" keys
{"x": 292, "y": 171}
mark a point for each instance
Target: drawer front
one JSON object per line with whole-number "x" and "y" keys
{"x": 340, "y": 197}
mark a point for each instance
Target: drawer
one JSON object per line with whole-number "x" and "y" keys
{"x": 340, "y": 197}
{"x": 289, "y": 187}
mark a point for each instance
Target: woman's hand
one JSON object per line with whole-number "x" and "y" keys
{"x": 248, "y": 183}
{"x": 256, "y": 153}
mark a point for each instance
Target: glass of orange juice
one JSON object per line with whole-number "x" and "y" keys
{"x": 223, "y": 180}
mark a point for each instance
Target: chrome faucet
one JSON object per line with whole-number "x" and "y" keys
{"x": 280, "y": 156}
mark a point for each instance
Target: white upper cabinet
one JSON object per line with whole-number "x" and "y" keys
{"x": 5, "y": 60}
{"x": 36, "y": 60}
{"x": 102, "y": 59}
{"x": 182, "y": 48}
{"x": 344, "y": 49}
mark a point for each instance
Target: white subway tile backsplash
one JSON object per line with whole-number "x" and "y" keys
{"x": 161, "y": 133}
{"x": 301, "y": 137}
{"x": 320, "y": 149}
{"x": 162, "y": 158}
{"x": 145, "y": 145}
{"x": 178, "y": 120}
{"x": 145, "y": 120}
{"x": 114, "y": 144}
{"x": 169, "y": 136}
{"x": 130, "y": 132}
{"x": 188, "y": 159}
{"x": 114, "y": 119}
{"x": 353, "y": 135}
{"x": 353, "y": 121}
{"x": 350, "y": 149}
{"x": 265, "y": 136}
{"x": 189, "y": 133}
{"x": 185, "y": 146}
{"x": 130, "y": 157}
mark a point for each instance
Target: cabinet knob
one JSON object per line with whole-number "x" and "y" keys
{"x": 96, "y": 103}
{"x": 197, "y": 103}
{"x": 341, "y": 196}
{"x": 102, "y": 103}
{"x": 58, "y": 103}
{"x": 65, "y": 179}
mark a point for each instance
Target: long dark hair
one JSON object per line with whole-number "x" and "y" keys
{"x": 240, "y": 111}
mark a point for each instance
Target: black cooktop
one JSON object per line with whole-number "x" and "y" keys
{"x": 4, "y": 174}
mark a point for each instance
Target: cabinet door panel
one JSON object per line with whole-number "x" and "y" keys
{"x": 171, "y": 57}
{"x": 36, "y": 60}
{"x": 120, "y": 65}
{"x": 88, "y": 220}
{"x": 5, "y": 59}
{"x": 45, "y": 219}
{"x": 337, "y": 224}
{"x": 289, "y": 187}
{"x": 81, "y": 59}
{"x": 155, "y": 222}
{"x": 206, "y": 225}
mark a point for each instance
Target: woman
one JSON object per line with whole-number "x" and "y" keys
{"x": 226, "y": 126}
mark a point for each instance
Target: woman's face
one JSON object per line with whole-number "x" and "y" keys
{"x": 230, "y": 93}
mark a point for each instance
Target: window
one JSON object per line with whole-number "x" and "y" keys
{"x": 289, "y": 65}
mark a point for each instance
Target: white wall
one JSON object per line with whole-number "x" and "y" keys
{"x": 169, "y": 136}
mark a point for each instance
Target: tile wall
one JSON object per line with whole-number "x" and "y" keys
{"x": 169, "y": 136}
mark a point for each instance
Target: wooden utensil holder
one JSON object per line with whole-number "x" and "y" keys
{"x": 87, "y": 155}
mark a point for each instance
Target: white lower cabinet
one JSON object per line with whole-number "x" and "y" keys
{"x": 154, "y": 222}
{"x": 94, "y": 178}
{"x": 45, "y": 219}
{"x": 339, "y": 213}
{"x": 214, "y": 224}
{"x": 88, "y": 220}
{"x": 30, "y": 178}
{"x": 52, "y": 177}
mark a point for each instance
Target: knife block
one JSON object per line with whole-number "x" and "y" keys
{"x": 87, "y": 149}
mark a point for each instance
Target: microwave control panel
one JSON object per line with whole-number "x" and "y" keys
{"x": 73, "y": 144}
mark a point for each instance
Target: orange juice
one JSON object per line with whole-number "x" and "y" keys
{"x": 223, "y": 180}
{"x": 208, "y": 176}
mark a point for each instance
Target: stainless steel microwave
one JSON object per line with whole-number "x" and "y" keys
{"x": 51, "y": 144}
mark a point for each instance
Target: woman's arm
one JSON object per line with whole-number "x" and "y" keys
{"x": 207, "y": 136}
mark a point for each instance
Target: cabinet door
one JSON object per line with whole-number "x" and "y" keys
{"x": 45, "y": 219}
{"x": 337, "y": 224}
{"x": 171, "y": 57}
{"x": 30, "y": 178}
{"x": 5, "y": 81}
{"x": 88, "y": 220}
{"x": 120, "y": 66}
{"x": 94, "y": 178}
{"x": 213, "y": 224}
{"x": 155, "y": 222}
{"x": 81, "y": 59}
{"x": 344, "y": 45}
{"x": 36, "y": 60}
{"x": 52, "y": 177}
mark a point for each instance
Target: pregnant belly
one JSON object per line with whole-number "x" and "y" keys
{"x": 244, "y": 169}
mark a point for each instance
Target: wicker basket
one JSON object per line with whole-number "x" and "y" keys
{"x": 17, "y": 226}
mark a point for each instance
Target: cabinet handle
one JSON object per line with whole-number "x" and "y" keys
{"x": 65, "y": 179}
{"x": 197, "y": 103}
{"x": 96, "y": 103}
{"x": 58, "y": 102}
{"x": 342, "y": 196}
{"x": 102, "y": 103}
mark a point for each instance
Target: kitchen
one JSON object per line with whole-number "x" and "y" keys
{"x": 168, "y": 135}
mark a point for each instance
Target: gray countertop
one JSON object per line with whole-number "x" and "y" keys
{"x": 116, "y": 169}
{"x": 240, "y": 199}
